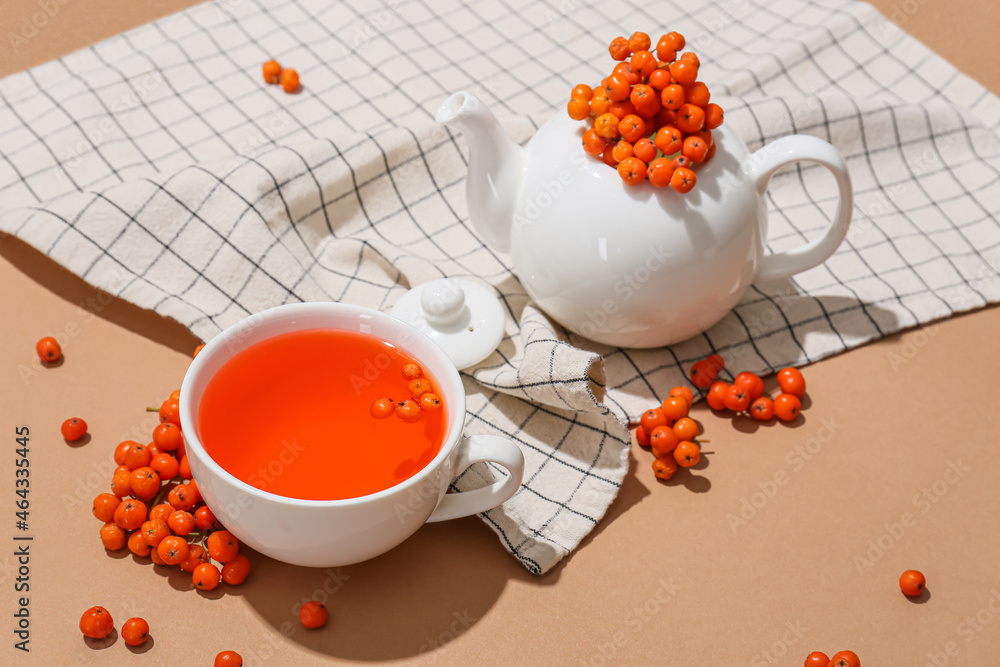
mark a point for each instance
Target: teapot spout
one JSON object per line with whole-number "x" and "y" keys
{"x": 496, "y": 168}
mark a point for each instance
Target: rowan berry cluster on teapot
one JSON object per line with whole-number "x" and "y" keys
{"x": 637, "y": 218}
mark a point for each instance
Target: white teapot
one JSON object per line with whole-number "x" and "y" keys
{"x": 633, "y": 266}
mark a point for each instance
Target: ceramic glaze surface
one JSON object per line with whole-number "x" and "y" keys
{"x": 633, "y": 266}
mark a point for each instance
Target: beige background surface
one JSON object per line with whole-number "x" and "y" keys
{"x": 666, "y": 578}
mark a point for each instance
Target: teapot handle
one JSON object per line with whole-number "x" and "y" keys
{"x": 803, "y": 148}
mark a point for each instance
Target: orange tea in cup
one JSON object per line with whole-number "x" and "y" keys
{"x": 292, "y": 415}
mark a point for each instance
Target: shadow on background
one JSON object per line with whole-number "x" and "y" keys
{"x": 67, "y": 285}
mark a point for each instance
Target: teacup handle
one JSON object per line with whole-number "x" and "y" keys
{"x": 476, "y": 449}
{"x": 803, "y": 148}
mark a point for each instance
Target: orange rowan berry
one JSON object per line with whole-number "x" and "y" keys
{"x": 737, "y": 398}
{"x": 184, "y": 468}
{"x": 170, "y": 411}
{"x": 289, "y": 80}
{"x": 665, "y": 52}
{"x": 153, "y": 532}
{"x": 683, "y": 180}
{"x": 643, "y": 62}
{"x": 578, "y": 109}
{"x": 154, "y": 555}
{"x": 600, "y": 103}
{"x": 713, "y": 116}
{"x": 702, "y": 373}
{"x": 817, "y": 659}
{"x": 618, "y": 87}
{"x": 684, "y": 72}
{"x": 430, "y": 402}
{"x": 621, "y": 109}
{"x": 73, "y": 429}
{"x": 408, "y": 410}
{"x": 204, "y": 517}
{"x": 206, "y": 577}
{"x": 690, "y": 118}
{"x": 684, "y": 392}
{"x": 48, "y": 349}
{"x": 845, "y": 659}
{"x": 181, "y": 522}
{"x": 791, "y": 382}
{"x": 639, "y": 41}
{"x": 659, "y": 79}
{"x": 382, "y": 408}
{"x": 787, "y": 407}
{"x": 632, "y": 128}
{"x": 669, "y": 140}
{"x": 122, "y": 449}
{"x": 606, "y": 126}
{"x": 173, "y": 549}
{"x": 223, "y": 546}
{"x": 652, "y": 418}
{"x": 664, "y": 468}
{"x": 137, "y": 545}
{"x": 660, "y": 171}
{"x": 645, "y": 99}
{"x": 687, "y": 454}
{"x": 167, "y": 436}
{"x": 695, "y": 149}
{"x": 272, "y": 71}
{"x": 621, "y": 150}
{"x": 181, "y": 497}
{"x": 691, "y": 58}
{"x": 751, "y": 382}
{"x": 762, "y": 409}
{"x": 675, "y": 407}
{"x": 581, "y": 91}
{"x": 419, "y": 387}
{"x": 698, "y": 94}
{"x": 130, "y": 514}
{"x": 196, "y": 556}
{"x": 161, "y": 511}
{"x": 632, "y": 170}
{"x": 912, "y": 583}
{"x": 686, "y": 429}
{"x": 619, "y": 48}
{"x": 609, "y": 156}
{"x": 644, "y": 150}
{"x": 137, "y": 456}
{"x": 672, "y": 97}
{"x": 626, "y": 70}
{"x": 105, "y": 505}
{"x": 96, "y": 623}
{"x": 662, "y": 440}
{"x": 313, "y": 615}
{"x": 593, "y": 143}
{"x": 145, "y": 483}
{"x": 716, "y": 396}
{"x": 674, "y": 40}
{"x": 121, "y": 482}
{"x": 166, "y": 466}
{"x": 112, "y": 537}
{"x": 235, "y": 571}
{"x": 135, "y": 631}
{"x": 228, "y": 659}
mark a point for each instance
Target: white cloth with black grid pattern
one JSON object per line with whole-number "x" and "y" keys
{"x": 157, "y": 166}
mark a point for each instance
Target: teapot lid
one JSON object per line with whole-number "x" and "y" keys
{"x": 463, "y": 317}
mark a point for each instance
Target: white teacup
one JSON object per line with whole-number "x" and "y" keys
{"x": 328, "y": 533}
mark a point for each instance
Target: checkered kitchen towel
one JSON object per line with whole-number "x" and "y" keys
{"x": 157, "y": 166}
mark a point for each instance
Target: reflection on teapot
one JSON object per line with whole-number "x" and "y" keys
{"x": 633, "y": 266}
